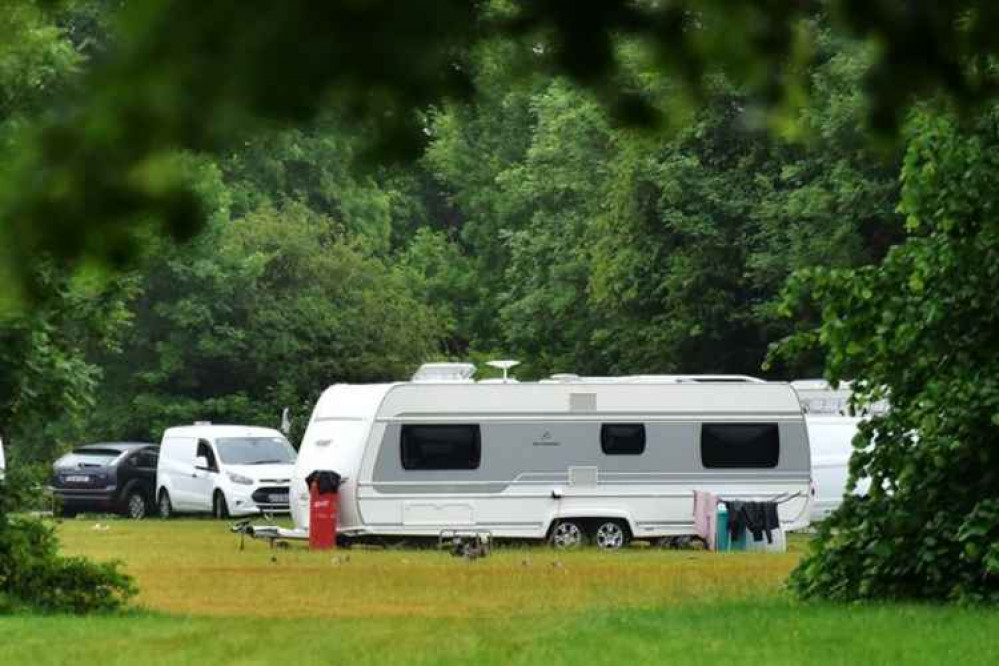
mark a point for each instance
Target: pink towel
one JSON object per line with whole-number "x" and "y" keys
{"x": 706, "y": 516}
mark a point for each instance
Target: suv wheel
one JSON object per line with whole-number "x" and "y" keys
{"x": 135, "y": 505}
{"x": 219, "y": 508}
{"x": 165, "y": 507}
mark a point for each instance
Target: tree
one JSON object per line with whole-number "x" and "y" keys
{"x": 260, "y": 313}
{"x": 44, "y": 364}
{"x": 606, "y": 250}
{"x": 179, "y": 79}
{"x": 920, "y": 329}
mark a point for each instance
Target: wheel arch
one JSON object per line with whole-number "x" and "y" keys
{"x": 145, "y": 487}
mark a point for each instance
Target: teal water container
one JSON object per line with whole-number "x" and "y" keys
{"x": 721, "y": 528}
{"x": 723, "y": 540}
{"x": 741, "y": 541}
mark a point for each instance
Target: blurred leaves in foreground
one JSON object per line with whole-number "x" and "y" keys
{"x": 189, "y": 75}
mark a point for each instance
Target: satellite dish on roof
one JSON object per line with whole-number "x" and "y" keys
{"x": 504, "y": 366}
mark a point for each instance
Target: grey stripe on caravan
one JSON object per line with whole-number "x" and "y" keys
{"x": 323, "y": 419}
{"x": 566, "y": 493}
{"x": 686, "y": 478}
{"x": 645, "y": 417}
{"x": 681, "y": 476}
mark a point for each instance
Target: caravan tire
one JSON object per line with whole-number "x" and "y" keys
{"x": 568, "y": 534}
{"x": 610, "y": 535}
{"x": 220, "y": 509}
{"x": 164, "y": 505}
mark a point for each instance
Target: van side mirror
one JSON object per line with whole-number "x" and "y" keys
{"x": 201, "y": 462}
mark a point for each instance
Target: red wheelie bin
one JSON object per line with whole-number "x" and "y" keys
{"x": 324, "y": 505}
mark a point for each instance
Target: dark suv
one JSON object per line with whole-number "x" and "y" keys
{"x": 117, "y": 477}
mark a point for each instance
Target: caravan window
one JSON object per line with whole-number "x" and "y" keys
{"x": 452, "y": 446}
{"x": 753, "y": 445}
{"x": 622, "y": 439}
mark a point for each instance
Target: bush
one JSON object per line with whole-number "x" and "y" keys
{"x": 33, "y": 576}
{"x": 921, "y": 329}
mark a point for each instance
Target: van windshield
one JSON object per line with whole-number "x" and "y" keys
{"x": 255, "y": 450}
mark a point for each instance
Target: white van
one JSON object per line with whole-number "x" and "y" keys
{"x": 572, "y": 459}
{"x": 223, "y": 469}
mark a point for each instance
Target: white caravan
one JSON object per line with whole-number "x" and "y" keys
{"x": 831, "y": 429}
{"x": 567, "y": 458}
{"x": 223, "y": 469}
{"x": 3, "y": 462}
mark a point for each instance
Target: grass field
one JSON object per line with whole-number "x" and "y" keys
{"x": 204, "y": 601}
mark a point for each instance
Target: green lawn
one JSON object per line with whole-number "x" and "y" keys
{"x": 206, "y": 602}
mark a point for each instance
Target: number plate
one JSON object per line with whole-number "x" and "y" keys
{"x": 77, "y": 479}
{"x": 279, "y": 499}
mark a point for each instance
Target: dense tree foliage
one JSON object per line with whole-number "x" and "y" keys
{"x": 920, "y": 328}
{"x": 534, "y": 226}
{"x": 183, "y": 75}
{"x": 45, "y": 364}
{"x": 260, "y": 313}
{"x": 605, "y": 250}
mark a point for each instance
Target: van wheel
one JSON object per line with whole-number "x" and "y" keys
{"x": 610, "y": 535}
{"x": 135, "y": 505}
{"x": 220, "y": 509}
{"x": 165, "y": 507}
{"x": 567, "y": 534}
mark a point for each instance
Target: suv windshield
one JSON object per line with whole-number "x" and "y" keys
{"x": 88, "y": 458}
{"x": 255, "y": 450}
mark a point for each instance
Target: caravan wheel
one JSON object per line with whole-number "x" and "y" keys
{"x": 567, "y": 534}
{"x": 610, "y": 535}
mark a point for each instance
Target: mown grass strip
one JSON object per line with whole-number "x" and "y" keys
{"x": 764, "y": 632}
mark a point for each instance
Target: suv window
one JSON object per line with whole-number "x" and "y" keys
{"x": 145, "y": 459}
{"x": 740, "y": 445}
{"x": 451, "y": 446}
{"x": 622, "y": 439}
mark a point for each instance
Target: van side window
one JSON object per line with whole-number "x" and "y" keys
{"x": 740, "y": 445}
{"x": 622, "y": 439}
{"x": 205, "y": 449}
{"x": 451, "y": 446}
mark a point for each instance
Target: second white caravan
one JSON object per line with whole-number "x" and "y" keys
{"x": 572, "y": 459}
{"x": 831, "y": 430}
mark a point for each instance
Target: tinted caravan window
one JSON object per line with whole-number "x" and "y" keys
{"x": 755, "y": 445}
{"x": 455, "y": 446}
{"x": 622, "y": 439}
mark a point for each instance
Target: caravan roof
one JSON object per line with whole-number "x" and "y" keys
{"x": 555, "y": 399}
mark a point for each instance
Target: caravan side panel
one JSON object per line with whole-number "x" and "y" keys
{"x": 541, "y": 465}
